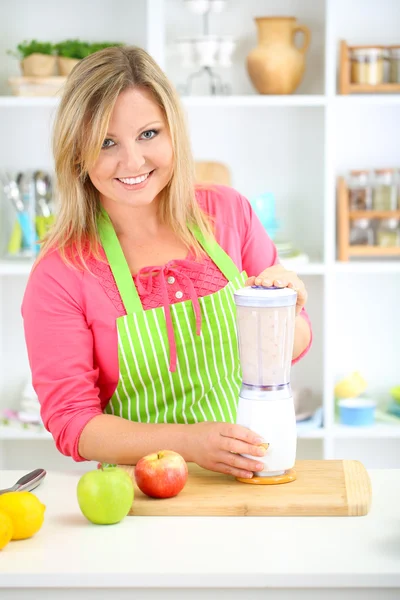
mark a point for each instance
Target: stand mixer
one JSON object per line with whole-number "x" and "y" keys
{"x": 266, "y": 321}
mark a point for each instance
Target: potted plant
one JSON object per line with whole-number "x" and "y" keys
{"x": 96, "y": 46}
{"x": 37, "y": 59}
{"x": 69, "y": 53}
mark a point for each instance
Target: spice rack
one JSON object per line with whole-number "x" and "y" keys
{"x": 345, "y": 216}
{"x": 345, "y": 84}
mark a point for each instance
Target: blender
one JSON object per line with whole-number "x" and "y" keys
{"x": 266, "y": 321}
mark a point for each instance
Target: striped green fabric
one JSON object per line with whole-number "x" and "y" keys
{"x": 206, "y": 383}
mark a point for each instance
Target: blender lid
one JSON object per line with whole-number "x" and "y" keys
{"x": 259, "y": 296}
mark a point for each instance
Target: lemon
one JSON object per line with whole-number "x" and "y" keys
{"x": 26, "y": 513}
{"x": 6, "y": 529}
{"x": 350, "y": 387}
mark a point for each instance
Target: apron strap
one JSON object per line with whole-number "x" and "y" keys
{"x": 123, "y": 276}
{"x": 119, "y": 266}
{"x": 217, "y": 254}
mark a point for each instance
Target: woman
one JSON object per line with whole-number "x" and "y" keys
{"x": 129, "y": 312}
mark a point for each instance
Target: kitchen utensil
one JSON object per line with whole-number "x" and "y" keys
{"x": 26, "y": 186}
{"x": 44, "y": 217}
{"x": 28, "y": 482}
{"x": 322, "y": 488}
{"x": 43, "y": 193}
{"x": 265, "y": 322}
{"x": 276, "y": 65}
{"x": 13, "y": 193}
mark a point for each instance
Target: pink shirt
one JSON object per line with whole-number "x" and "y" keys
{"x": 70, "y": 315}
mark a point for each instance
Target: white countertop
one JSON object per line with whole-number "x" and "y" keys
{"x": 200, "y": 552}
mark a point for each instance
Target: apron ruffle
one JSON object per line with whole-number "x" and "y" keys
{"x": 145, "y": 282}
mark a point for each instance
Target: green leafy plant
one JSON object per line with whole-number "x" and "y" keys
{"x": 101, "y": 45}
{"x": 73, "y": 49}
{"x": 27, "y": 48}
{"x": 66, "y": 48}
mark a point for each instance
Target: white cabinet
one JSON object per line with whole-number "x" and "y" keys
{"x": 292, "y": 145}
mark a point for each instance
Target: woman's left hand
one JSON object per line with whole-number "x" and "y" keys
{"x": 278, "y": 276}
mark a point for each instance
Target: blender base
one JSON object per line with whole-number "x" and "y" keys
{"x": 286, "y": 477}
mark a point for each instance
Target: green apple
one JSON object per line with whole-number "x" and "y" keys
{"x": 105, "y": 496}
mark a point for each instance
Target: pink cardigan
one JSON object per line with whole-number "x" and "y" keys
{"x": 70, "y": 317}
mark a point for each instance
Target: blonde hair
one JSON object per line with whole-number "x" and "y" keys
{"x": 80, "y": 127}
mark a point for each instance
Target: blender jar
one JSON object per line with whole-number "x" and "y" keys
{"x": 265, "y": 321}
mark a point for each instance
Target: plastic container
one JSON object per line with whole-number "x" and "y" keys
{"x": 357, "y": 412}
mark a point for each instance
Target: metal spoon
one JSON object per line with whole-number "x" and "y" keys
{"x": 43, "y": 192}
{"x": 12, "y": 189}
{"x": 27, "y": 482}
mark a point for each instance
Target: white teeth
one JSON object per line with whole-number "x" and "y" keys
{"x": 133, "y": 180}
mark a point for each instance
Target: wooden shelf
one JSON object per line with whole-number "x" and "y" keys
{"x": 374, "y": 214}
{"x": 345, "y": 84}
{"x": 344, "y": 216}
{"x": 362, "y": 88}
{"x": 373, "y": 251}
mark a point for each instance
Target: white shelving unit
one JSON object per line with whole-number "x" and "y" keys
{"x": 292, "y": 145}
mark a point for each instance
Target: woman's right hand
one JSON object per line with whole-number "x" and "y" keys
{"x": 218, "y": 446}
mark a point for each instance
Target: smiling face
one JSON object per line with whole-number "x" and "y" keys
{"x": 136, "y": 160}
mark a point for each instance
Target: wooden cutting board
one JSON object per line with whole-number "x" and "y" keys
{"x": 322, "y": 488}
{"x": 212, "y": 172}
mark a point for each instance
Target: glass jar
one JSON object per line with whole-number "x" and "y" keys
{"x": 398, "y": 188}
{"x": 360, "y": 191}
{"x": 361, "y": 233}
{"x": 388, "y": 233}
{"x": 394, "y": 64}
{"x": 384, "y": 195}
{"x": 367, "y": 65}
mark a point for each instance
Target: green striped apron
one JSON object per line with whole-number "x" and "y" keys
{"x": 205, "y": 384}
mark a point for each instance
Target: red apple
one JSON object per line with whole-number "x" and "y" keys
{"x": 162, "y": 474}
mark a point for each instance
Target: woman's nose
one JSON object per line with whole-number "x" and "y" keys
{"x": 133, "y": 159}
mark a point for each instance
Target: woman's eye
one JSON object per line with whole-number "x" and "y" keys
{"x": 107, "y": 143}
{"x": 148, "y": 135}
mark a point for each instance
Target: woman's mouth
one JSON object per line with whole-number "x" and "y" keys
{"x": 135, "y": 183}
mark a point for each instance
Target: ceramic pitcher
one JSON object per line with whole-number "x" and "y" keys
{"x": 276, "y": 65}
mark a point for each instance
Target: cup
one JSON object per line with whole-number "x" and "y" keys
{"x": 186, "y": 51}
{"x": 357, "y": 412}
{"x": 199, "y": 7}
{"x": 226, "y": 48}
{"x": 206, "y": 48}
{"x": 217, "y": 6}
